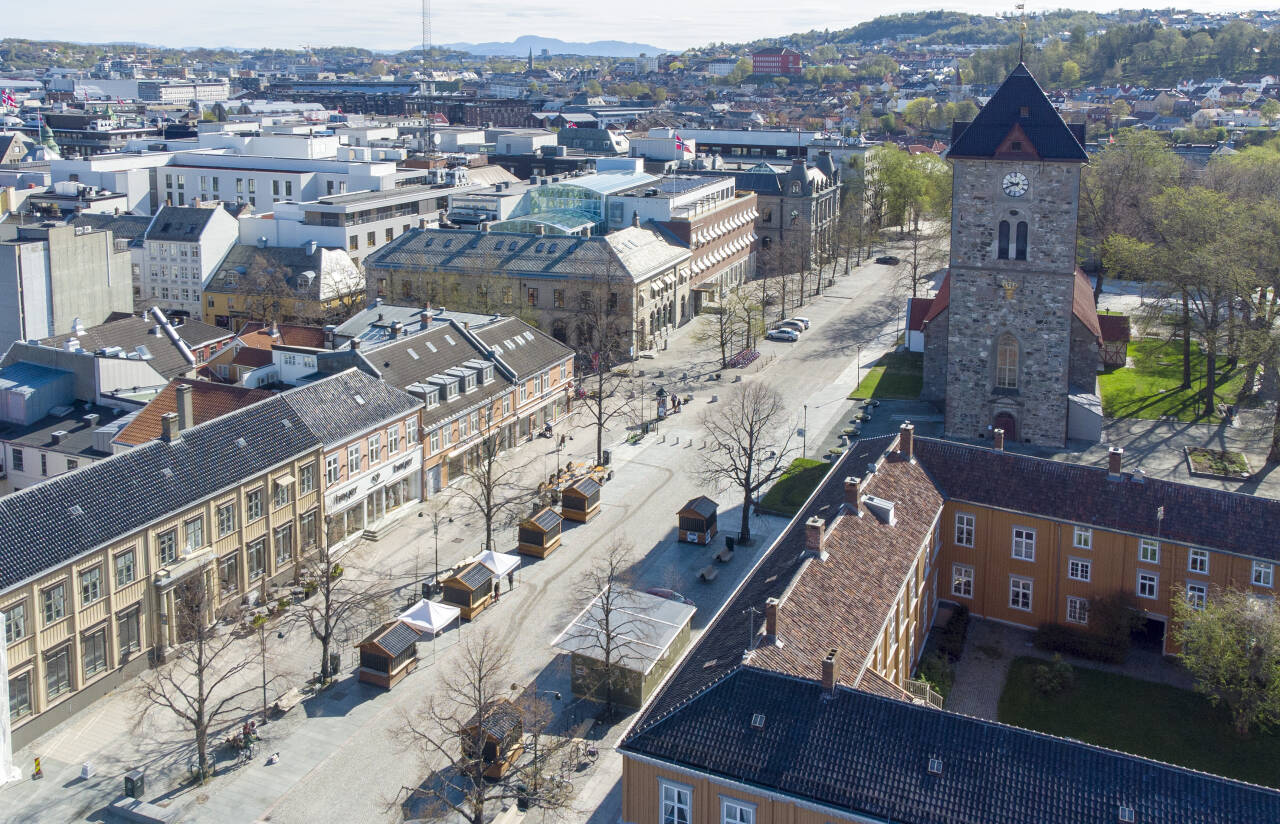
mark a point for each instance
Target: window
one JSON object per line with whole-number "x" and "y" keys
{"x": 353, "y": 459}
{"x": 229, "y": 573}
{"x": 90, "y": 585}
{"x": 288, "y": 188}
{"x": 737, "y": 812}
{"x": 193, "y": 534}
{"x": 1020, "y": 593}
{"x": 1262, "y": 574}
{"x": 390, "y": 234}
{"x": 393, "y": 439}
{"x": 564, "y": 371}
{"x": 44, "y": 464}
{"x": 371, "y": 238}
{"x": 375, "y": 449}
{"x": 253, "y": 504}
{"x": 435, "y": 441}
{"x": 93, "y": 652}
{"x": 253, "y": 182}
{"x": 1198, "y": 561}
{"x": 962, "y": 580}
{"x": 1002, "y": 250}
{"x": 1007, "y": 362}
{"x": 167, "y": 546}
{"x": 226, "y": 519}
{"x": 19, "y": 696}
{"x": 1024, "y": 543}
{"x": 307, "y": 530}
{"x": 447, "y": 434}
{"x": 239, "y": 185}
{"x": 72, "y": 464}
{"x": 1078, "y": 610}
{"x": 15, "y": 623}
{"x": 464, "y": 429}
{"x": 1082, "y": 538}
{"x": 275, "y": 188}
{"x": 256, "y": 555}
{"x": 411, "y": 431}
{"x": 284, "y": 544}
{"x": 533, "y": 297}
{"x": 1149, "y": 550}
{"x": 1079, "y": 569}
{"x": 331, "y": 470}
{"x": 557, "y": 298}
{"x": 1148, "y": 585}
{"x": 126, "y": 569}
{"x": 281, "y": 497}
{"x": 677, "y": 803}
{"x": 19, "y": 464}
{"x": 1020, "y": 249}
{"x": 128, "y": 631}
{"x": 1197, "y": 594}
{"x": 506, "y": 404}
{"x": 964, "y": 528}
{"x": 353, "y": 243}
{"x": 57, "y": 672}
{"x": 307, "y": 479}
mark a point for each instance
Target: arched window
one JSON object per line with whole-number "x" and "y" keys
{"x": 1007, "y": 362}
{"x": 1020, "y": 252}
{"x": 1002, "y": 250}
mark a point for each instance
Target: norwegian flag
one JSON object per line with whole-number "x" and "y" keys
{"x": 571, "y": 126}
{"x": 681, "y": 146}
{"x": 7, "y": 99}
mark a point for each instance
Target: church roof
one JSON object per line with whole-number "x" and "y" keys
{"x": 1019, "y": 103}
{"x": 1082, "y": 305}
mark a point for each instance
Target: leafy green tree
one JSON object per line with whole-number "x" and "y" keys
{"x": 1269, "y": 109}
{"x": 1231, "y": 645}
{"x": 1120, "y": 110}
{"x": 917, "y": 112}
{"x": 1069, "y": 76}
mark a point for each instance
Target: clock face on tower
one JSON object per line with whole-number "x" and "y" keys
{"x": 1015, "y": 184}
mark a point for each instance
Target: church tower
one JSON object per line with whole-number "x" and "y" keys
{"x": 1000, "y": 335}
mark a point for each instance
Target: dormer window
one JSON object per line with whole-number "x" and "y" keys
{"x": 470, "y": 382}
{"x": 1015, "y": 146}
{"x": 1024, "y": 111}
{"x": 488, "y": 374}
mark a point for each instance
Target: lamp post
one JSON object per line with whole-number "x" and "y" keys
{"x": 804, "y": 434}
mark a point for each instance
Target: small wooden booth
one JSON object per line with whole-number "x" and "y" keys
{"x": 388, "y": 654}
{"x": 580, "y": 500}
{"x": 495, "y": 737}
{"x": 540, "y": 535}
{"x": 470, "y": 589}
{"x": 698, "y": 520}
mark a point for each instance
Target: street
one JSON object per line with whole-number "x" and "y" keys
{"x": 341, "y": 754}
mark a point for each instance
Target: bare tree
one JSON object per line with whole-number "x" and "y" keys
{"x": 726, "y": 324}
{"x": 339, "y": 602}
{"x": 752, "y": 440}
{"x": 602, "y": 335}
{"x": 487, "y": 488}
{"x": 605, "y": 629}
{"x": 204, "y": 681}
{"x": 453, "y": 735}
{"x": 928, "y": 245}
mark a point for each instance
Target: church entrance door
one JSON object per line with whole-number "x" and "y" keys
{"x": 1009, "y": 424}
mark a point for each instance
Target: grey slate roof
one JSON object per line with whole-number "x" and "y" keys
{"x": 864, "y": 753}
{"x": 128, "y": 491}
{"x": 122, "y": 227}
{"x": 179, "y": 223}
{"x": 77, "y": 440}
{"x": 1052, "y": 138}
{"x": 527, "y": 358}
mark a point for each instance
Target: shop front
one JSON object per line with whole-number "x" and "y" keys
{"x": 364, "y": 506}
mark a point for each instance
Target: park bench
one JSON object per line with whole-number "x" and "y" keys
{"x": 708, "y": 573}
{"x": 725, "y": 555}
{"x": 287, "y": 700}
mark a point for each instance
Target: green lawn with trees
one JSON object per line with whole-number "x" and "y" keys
{"x": 795, "y": 486}
{"x": 897, "y": 375}
{"x": 1152, "y": 387}
{"x": 1140, "y": 717}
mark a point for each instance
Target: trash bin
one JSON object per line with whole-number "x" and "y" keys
{"x": 335, "y": 663}
{"x": 522, "y": 797}
{"x": 135, "y": 783}
{"x": 605, "y": 457}
{"x": 728, "y": 542}
{"x": 426, "y": 590}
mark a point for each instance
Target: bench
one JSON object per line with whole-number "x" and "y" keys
{"x": 133, "y": 809}
{"x": 287, "y": 700}
{"x": 708, "y": 573}
{"x": 725, "y": 555}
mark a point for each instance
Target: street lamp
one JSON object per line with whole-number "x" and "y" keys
{"x": 804, "y": 434}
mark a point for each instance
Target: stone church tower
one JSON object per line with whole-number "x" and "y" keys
{"x": 1011, "y": 340}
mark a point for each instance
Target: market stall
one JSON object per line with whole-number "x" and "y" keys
{"x": 540, "y": 535}
{"x": 697, "y": 520}
{"x": 580, "y": 500}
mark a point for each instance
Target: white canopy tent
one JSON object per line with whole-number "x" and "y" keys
{"x": 430, "y": 617}
{"x": 500, "y": 563}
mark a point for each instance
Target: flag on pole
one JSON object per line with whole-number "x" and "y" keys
{"x": 681, "y": 146}
{"x": 7, "y": 99}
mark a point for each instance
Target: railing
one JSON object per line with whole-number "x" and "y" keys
{"x": 921, "y": 691}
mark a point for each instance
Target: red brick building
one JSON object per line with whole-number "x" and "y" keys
{"x": 776, "y": 61}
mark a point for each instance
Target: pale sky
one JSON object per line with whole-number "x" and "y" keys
{"x": 395, "y": 24}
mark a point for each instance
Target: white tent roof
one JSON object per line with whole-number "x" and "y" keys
{"x": 500, "y": 562}
{"x": 429, "y": 616}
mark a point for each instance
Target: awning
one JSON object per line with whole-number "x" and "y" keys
{"x": 430, "y": 617}
{"x": 284, "y": 480}
{"x": 499, "y": 562}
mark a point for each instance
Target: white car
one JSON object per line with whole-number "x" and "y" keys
{"x": 802, "y": 321}
{"x": 783, "y": 334}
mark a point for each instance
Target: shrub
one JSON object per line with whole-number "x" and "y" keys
{"x": 1112, "y": 621}
{"x": 938, "y": 671}
{"x": 949, "y": 638}
{"x": 1053, "y": 676}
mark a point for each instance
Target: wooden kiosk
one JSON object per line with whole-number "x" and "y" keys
{"x": 580, "y": 500}
{"x": 540, "y": 534}
{"x": 470, "y": 589}
{"x": 388, "y": 654}
{"x": 698, "y": 520}
{"x": 495, "y": 737}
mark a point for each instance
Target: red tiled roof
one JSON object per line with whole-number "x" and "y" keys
{"x": 208, "y": 401}
{"x": 1082, "y": 305}
{"x": 940, "y": 300}
{"x": 917, "y": 310}
{"x": 256, "y": 335}
{"x": 1114, "y": 327}
{"x": 251, "y": 357}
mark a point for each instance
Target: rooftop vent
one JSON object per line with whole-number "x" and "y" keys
{"x": 75, "y": 509}
{"x": 935, "y": 766}
{"x": 882, "y": 509}
{"x": 59, "y": 436}
{"x": 1126, "y": 813}
{"x": 757, "y": 721}
{"x": 360, "y": 400}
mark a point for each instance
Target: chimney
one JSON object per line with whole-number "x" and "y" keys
{"x": 91, "y": 419}
{"x": 829, "y": 671}
{"x": 311, "y": 247}
{"x": 997, "y": 439}
{"x": 852, "y": 491}
{"x": 275, "y": 329}
{"x": 355, "y": 344}
{"x": 329, "y": 331}
{"x": 396, "y": 326}
{"x": 771, "y": 617}
{"x": 59, "y": 436}
{"x": 906, "y": 441}
{"x": 815, "y": 536}
{"x": 635, "y": 218}
{"x": 484, "y": 227}
{"x": 1115, "y": 459}
{"x": 169, "y": 427}
{"x": 186, "y": 415}
{"x": 542, "y": 229}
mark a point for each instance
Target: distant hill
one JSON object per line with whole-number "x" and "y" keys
{"x": 521, "y": 45}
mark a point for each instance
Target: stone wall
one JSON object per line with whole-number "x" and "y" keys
{"x": 935, "y": 360}
{"x": 1085, "y": 358}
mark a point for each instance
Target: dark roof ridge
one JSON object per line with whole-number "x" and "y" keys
{"x": 643, "y": 725}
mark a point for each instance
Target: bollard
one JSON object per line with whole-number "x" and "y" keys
{"x": 38, "y": 773}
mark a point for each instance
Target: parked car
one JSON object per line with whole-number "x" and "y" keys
{"x": 793, "y": 325}
{"x": 788, "y": 335}
{"x": 888, "y": 260}
{"x": 802, "y": 321}
{"x": 670, "y": 595}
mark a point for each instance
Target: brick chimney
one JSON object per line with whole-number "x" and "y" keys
{"x": 997, "y": 439}
{"x": 1115, "y": 459}
{"x": 906, "y": 441}
{"x": 815, "y": 535}
{"x": 186, "y": 413}
{"x": 771, "y": 617}
{"x": 852, "y": 491}
{"x": 829, "y": 671}
{"x": 169, "y": 427}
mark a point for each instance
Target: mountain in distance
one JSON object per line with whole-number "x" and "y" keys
{"x": 521, "y": 45}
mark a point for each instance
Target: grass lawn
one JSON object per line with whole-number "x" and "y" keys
{"x": 896, "y": 375}
{"x": 1149, "y": 389}
{"x": 1140, "y": 717}
{"x": 794, "y": 487}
